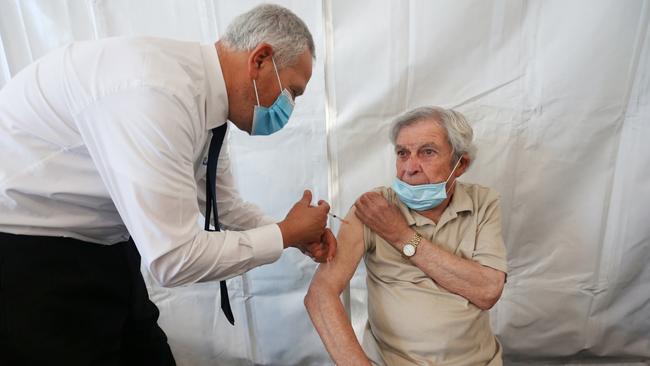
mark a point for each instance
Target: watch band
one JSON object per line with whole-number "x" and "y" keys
{"x": 415, "y": 240}
{"x": 411, "y": 246}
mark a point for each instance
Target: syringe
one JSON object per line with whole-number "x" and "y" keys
{"x": 338, "y": 218}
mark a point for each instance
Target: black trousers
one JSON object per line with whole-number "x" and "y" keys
{"x": 68, "y": 302}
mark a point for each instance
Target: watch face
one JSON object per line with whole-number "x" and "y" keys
{"x": 408, "y": 250}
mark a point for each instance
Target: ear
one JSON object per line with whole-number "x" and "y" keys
{"x": 259, "y": 57}
{"x": 463, "y": 165}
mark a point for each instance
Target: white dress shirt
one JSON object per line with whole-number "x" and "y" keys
{"x": 108, "y": 138}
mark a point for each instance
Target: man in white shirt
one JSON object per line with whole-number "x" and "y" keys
{"x": 109, "y": 140}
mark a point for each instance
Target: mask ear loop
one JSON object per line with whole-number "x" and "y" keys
{"x": 256, "y": 95}
{"x": 276, "y": 73}
{"x": 450, "y": 174}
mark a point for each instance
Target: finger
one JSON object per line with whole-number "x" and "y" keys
{"x": 306, "y": 197}
{"x": 320, "y": 256}
{"x": 362, "y": 199}
{"x": 373, "y": 199}
{"x": 308, "y": 250}
{"x": 319, "y": 259}
{"x": 381, "y": 200}
{"x": 368, "y": 196}
{"x": 313, "y": 250}
{"x": 323, "y": 204}
{"x": 360, "y": 208}
{"x": 330, "y": 241}
{"x": 373, "y": 195}
{"x": 358, "y": 211}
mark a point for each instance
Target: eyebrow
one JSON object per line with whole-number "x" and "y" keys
{"x": 427, "y": 144}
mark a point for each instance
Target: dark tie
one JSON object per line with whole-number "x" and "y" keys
{"x": 211, "y": 204}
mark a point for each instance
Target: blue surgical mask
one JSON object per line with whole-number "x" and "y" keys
{"x": 270, "y": 120}
{"x": 423, "y": 196}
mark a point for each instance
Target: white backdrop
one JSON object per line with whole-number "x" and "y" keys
{"x": 559, "y": 96}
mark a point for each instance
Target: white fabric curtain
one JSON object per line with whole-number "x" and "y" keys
{"x": 559, "y": 96}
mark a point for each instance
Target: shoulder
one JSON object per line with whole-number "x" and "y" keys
{"x": 123, "y": 63}
{"x": 387, "y": 193}
{"x": 480, "y": 196}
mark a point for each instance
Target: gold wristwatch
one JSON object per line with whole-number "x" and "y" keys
{"x": 412, "y": 245}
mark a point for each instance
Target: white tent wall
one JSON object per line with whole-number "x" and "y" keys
{"x": 559, "y": 96}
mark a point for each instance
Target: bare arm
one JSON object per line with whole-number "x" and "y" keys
{"x": 323, "y": 301}
{"x": 481, "y": 285}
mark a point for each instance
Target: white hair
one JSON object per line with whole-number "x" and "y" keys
{"x": 275, "y": 25}
{"x": 459, "y": 131}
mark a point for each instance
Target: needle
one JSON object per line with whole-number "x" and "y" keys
{"x": 338, "y": 218}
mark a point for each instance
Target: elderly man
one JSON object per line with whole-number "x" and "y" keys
{"x": 117, "y": 138}
{"x": 434, "y": 256}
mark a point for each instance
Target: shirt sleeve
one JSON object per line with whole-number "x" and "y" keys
{"x": 142, "y": 141}
{"x": 490, "y": 249}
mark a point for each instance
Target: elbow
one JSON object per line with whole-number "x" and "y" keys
{"x": 317, "y": 296}
{"x": 311, "y": 299}
{"x": 165, "y": 274}
{"x": 166, "y": 282}
{"x": 491, "y": 295}
{"x": 162, "y": 279}
{"x": 486, "y": 303}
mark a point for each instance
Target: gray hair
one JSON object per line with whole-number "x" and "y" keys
{"x": 459, "y": 131}
{"x": 275, "y": 25}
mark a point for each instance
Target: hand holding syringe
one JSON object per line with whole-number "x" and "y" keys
{"x": 336, "y": 216}
{"x": 304, "y": 228}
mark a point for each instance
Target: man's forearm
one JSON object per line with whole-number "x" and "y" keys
{"x": 334, "y": 327}
{"x": 480, "y": 285}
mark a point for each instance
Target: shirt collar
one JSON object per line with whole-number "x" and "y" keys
{"x": 460, "y": 202}
{"x": 217, "y": 95}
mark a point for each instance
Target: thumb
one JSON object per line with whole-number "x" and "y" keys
{"x": 306, "y": 197}
{"x": 323, "y": 204}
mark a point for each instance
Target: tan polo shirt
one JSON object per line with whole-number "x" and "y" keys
{"x": 412, "y": 320}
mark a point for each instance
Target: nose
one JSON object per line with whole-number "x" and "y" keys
{"x": 412, "y": 166}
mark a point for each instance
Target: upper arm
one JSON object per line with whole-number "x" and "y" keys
{"x": 336, "y": 274}
{"x": 490, "y": 249}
